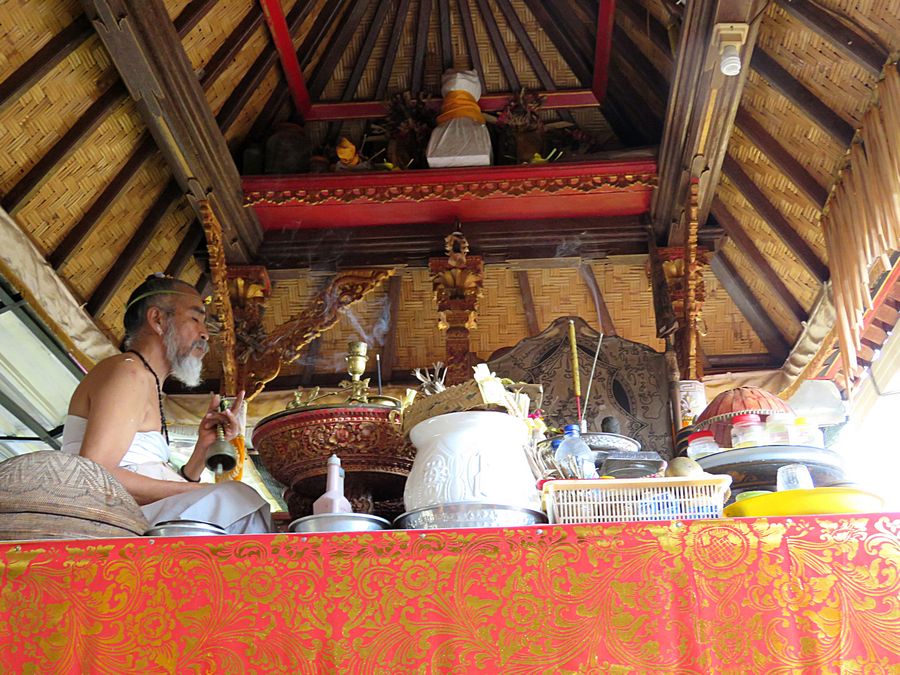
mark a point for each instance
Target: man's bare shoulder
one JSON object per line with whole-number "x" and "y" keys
{"x": 121, "y": 366}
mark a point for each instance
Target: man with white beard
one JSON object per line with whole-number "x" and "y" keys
{"x": 116, "y": 415}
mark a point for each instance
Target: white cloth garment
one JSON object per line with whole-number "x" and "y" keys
{"x": 234, "y": 506}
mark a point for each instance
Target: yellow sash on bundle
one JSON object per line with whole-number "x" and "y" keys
{"x": 460, "y": 103}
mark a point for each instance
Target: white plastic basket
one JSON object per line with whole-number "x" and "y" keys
{"x": 621, "y": 500}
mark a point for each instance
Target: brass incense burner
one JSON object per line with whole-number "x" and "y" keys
{"x": 362, "y": 427}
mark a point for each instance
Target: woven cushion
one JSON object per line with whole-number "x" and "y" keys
{"x": 54, "y": 494}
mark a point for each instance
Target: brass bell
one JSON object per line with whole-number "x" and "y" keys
{"x": 221, "y": 456}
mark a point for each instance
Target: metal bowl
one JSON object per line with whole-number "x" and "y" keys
{"x": 339, "y": 522}
{"x": 184, "y": 528}
{"x": 468, "y": 514}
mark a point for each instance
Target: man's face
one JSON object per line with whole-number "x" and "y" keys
{"x": 186, "y": 339}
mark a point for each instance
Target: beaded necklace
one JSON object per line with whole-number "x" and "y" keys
{"x": 162, "y": 413}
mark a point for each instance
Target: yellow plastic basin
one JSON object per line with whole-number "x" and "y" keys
{"x": 818, "y": 501}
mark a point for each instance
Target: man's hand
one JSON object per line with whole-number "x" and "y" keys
{"x": 206, "y": 434}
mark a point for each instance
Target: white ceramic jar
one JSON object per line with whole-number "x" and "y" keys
{"x": 476, "y": 456}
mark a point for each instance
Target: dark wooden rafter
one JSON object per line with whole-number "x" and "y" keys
{"x": 231, "y": 47}
{"x": 189, "y": 17}
{"x": 642, "y": 19}
{"x": 745, "y": 301}
{"x": 852, "y": 44}
{"x": 775, "y": 219}
{"x": 604, "y": 318}
{"x": 149, "y": 56}
{"x": 145, "y": 149}
{"x": 348, "y": 24}
{"x": 390, "y": 53}
{"x": 365, "y": 51}
{"x": 746, "y": 246}
{"x": 578, "y": 63}
{"x": 701, "y": 109}
{"x": 44, "y": 60}
{"x": 526, "y": 45}
{"x": 391, "y": 308}
{"x": 604, "y": 23}
{"x": 445, "y": 26}
{"x": 468, "y": 26}
{"x": 193, "y": 237}
{"x": 780, "y": 157}
{"x": 423, "y": 21}
{"x": 499, "y": 47}
{"x": 42, "y": 170}
{"x": 798, "y": 94}
{"x": 628, "y": 57}
{"x": 632, "y": 118}
{"x": 126, "y": 261}
{"x": 528, "y": 307}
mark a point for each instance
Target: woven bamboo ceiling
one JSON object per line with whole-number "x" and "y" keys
{"x": 112, "y": 135}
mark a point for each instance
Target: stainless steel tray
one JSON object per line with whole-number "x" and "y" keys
{"x": 468, "y": 514}
{"x": 184, "y": 528}
{"x": 339, "y": 522}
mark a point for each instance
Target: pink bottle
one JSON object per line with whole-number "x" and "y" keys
{"x": 333, "y": 501}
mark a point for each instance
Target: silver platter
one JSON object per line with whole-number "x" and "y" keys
{"x": 468, "y": 514}
{"x": 184, "y": 528}
{"x": 339, "y": 522}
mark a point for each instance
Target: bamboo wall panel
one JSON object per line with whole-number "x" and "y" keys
{"x": 211, "y": 32}
{"x": 323, "y": 41}
{"x": 878, "y": 20}
{"x": 727, "y": 331}
{"x": 839, "y": 82}
{"x": 626, "y": 291}
{"x": 783, "y": 261}
{"x": 99, "y": 250}
{"x": 810, "y": 145}
{"x": 30, "y": 126}
{"x": 562, "y": 75}
{"x": 501, "y": 317}
{"x": 154, "y": 258}
{"x": 26, "y": 31}
{"x": 419, "y": 343}
{"x": 786, "y": 323}
{"x": 60, "y": 203}
{"x": 365, "y": 90}
{"x": 334, "y": 90}
{"x": 191, "y": 272}
{"x": 800, "y": 212}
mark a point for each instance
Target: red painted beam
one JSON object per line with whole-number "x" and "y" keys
{"x": 605, "y": 19}
{"x": 559, "y": 190}
{"x": 574, "y": 98}
{"x": 281, "y": 37}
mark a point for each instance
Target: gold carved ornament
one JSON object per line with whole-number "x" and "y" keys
{"x": 261, "y": 362}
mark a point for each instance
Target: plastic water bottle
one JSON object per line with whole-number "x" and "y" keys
{"x": 574, "y": 455}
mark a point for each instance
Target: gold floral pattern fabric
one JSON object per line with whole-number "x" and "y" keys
{"x": 776, "y": 595}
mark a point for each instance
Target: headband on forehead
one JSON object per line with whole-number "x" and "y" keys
{"x": 152, "y": 293}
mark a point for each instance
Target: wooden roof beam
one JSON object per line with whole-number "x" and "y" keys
{"x": 527, "y": 46}
{"x": 417, "y": 78}
{"x": 133, "y": 249}
{"x": 791, "y": 88}
{"x": 745, "y": 245}
{"x": 188, "y": 18}
{"x": 869, "y": 56}
{"x": 779, "y": 224}
{"x": 490, "y": 23}
{"x": 701, "y": 109}
{"x": 781, "y": 158}
{"x": 446, "y": 38}
{"x": 151, "y": 60}
{"x": 528, "y": 306}
{"x": 655, "y": 89}
{"x": 642, "y": 20}
{"x": 390, "y": 53}
{"x": 756, "y": 316}
{"x": 604, "y": 318}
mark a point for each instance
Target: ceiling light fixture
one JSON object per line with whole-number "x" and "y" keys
{"x": 728, "y": 38}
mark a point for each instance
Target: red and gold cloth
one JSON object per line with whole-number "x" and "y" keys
{"x": 812, "y": 594}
